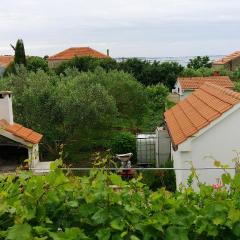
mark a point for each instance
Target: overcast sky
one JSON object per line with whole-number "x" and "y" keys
{"x": 149, "y": 28}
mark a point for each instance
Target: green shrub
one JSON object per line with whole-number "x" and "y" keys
{"x": 200, "y": 62}
{"x": 102, "y": 207}
{"x": 124, "y": 142}
{"x": 156, "y": 179}
{"x": 36, "y": 63}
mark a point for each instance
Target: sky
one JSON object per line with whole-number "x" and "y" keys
{"x": 129, "y": 28}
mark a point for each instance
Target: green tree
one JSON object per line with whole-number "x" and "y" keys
{"x": 152, "y": 73}
{"x": 35, "y": 63}
{"x": 199, "y": 62}
{"x": 61, "y": 108}
{"x": 129, "y": 94}
{"x": 19, "y": 56}
{"x": 157, "y": 103}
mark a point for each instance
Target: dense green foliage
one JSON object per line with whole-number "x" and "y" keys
{"x": 145, "y": 72}
{"x": 206, "y": 72}
{"x": 124, "y": 142}
{"x": 85, "y": 64}
{"x": 156, "y": 179}
{"x": 199, "y": 62}
{"x": 77, "y": 106}
{"x": 37, "y": 63}
{"x": 60, "y": 207}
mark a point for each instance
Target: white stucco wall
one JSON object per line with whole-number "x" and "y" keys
{"x": 33, "y": 154}
{"x": 219, "y": 141}
{"x": 177, "y": 88}
{"x": 6, "y": 110}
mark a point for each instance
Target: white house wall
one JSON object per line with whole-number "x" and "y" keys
{"x": 177, "y": 88}
{"x": 219, "y": 142}
{"x": 33, "y": 154}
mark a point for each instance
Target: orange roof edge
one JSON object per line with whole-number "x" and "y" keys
{"x": 18, "y": 130}
{"x": 198, "y": 110}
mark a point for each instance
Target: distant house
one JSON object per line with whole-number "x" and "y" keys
{"x": 230, "y": 62}
{"x": 17, "y": 143}
{"x": 203, "y": 126}
{"x": 4, "y": 63}
{"x": 70, "y": 53}
{"x": 186, "y": 85}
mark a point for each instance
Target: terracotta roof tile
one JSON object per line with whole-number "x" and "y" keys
{"x": 21, "y": 132}
{"x": 79, "y": 52}
{"x": 227, "y": 58}
{"x": 196, "y": 82}
{"x": 6, "y": 60}
{"x": 198, "y": 110}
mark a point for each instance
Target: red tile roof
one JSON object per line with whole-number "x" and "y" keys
{"x": 228, "y": 58}
{"x": 197, "y": 110}
{"x": 79, "y": 52}
{"x": 21, "y": 132}
{"x": 6, "y": 60}
{"x": 196, "y": 82}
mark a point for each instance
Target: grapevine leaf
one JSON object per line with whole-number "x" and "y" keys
{"x": 176, "y": 233}
{"x": 117, "y": 224}
{"x": 103, "y": 234}
{"x": 236, "y": 229}
{"x": 20, "y": 232}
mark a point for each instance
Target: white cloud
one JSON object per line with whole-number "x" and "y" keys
{"x": 127, "y": 27}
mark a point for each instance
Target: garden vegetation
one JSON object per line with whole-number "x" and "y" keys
{"x": 102, "y": 206}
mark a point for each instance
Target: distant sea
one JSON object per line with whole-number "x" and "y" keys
{"x": 181, "y": 60}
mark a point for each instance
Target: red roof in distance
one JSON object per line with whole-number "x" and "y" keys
{"x": 227, "y": 58}
{"x": 188, "y": 83}
{"x": 70, "y": 53}
{"x": 5, "y": 60}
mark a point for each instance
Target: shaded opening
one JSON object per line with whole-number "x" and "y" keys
{"x": 12, "y": 156}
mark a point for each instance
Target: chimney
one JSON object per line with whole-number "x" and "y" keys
{"x": 108, "y": 52}
{"x": 6, "y": 111}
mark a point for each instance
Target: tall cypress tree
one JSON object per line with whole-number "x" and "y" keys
{"x": 20, "y": 57}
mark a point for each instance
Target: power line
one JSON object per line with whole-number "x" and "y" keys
{"x": 141, "y": 169}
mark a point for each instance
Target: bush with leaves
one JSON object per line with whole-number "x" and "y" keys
{"x": 85, "y": 64}
{"x": 152, "y": 73}
{"x": 75, "y": 106}
{"x": 144, "y": 71}
{"x": 124, "y": 142}
{"x": 102, "y": 206}
{"x": 36, "y": 63}
{"x": 157, "y": 103}
{"x": 156, "y": 179}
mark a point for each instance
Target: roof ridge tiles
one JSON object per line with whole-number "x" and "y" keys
{"x": 226, "y": 91}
